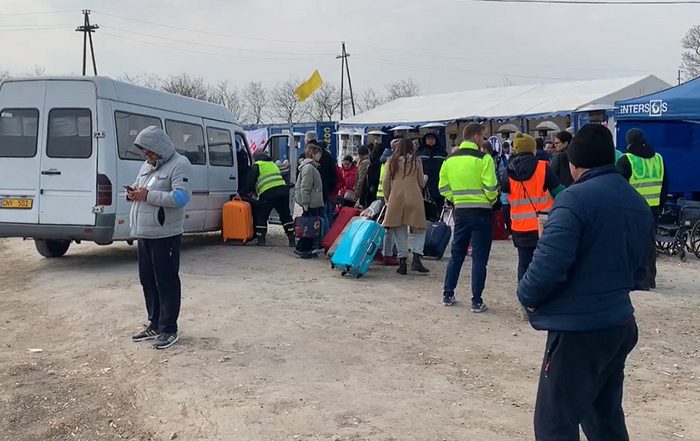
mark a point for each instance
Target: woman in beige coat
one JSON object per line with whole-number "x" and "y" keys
{"x": 403, "y": 191}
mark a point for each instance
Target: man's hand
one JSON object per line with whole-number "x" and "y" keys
{"x": 305, "y": 207}
{"x": 138, "y": 194}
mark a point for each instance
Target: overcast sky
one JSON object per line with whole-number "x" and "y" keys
{"x": 444, "y": 45}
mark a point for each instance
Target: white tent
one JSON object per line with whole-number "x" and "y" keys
{"x": 507, "y": 102}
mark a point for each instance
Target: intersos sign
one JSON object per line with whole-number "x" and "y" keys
{"x": 652, "y": 108}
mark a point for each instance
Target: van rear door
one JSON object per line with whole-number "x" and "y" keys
{"x": 21, "y": 107}
{"x": 69, "y": 155}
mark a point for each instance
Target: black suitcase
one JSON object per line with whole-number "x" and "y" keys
{"x": 437, "y": 236}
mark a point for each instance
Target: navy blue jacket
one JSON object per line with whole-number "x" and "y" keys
{"x": 593, "y": 251}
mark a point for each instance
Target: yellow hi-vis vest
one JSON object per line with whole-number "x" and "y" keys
{"x": 380, "y": 187}
{"x": 468, "y": 178}
{"x": 269, "y": 177}
{"x": 647, "y": 177}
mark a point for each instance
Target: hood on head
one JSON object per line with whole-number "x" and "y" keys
{"x": 386, "y": 155}
{"x": 425, "y": 144}
{"x": 522, "y": 166}
{"x": 262, "y": 156}
{"x": 156, "y": 140}
{"x": 305, "y": 162}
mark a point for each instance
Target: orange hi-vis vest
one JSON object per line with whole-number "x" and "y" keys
{"x": 529, "y": 198}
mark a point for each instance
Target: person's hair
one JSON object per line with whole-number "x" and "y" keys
{"x": 311, "y": 150}
{"x": 376, "y": 154}
{"x": 564, "y": 136}
{"x": 487, "y": 147}
{"x": 402, "y": 151}
{"x": 540, "y": 143}
{"x": 471, "y": 130}
{"x": 347, "y": 158}
{"x": 310, "y": 136}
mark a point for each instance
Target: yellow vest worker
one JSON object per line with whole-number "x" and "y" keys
{"x": 272, "y": 192}
{"x": 468, "y": 181}
{"x": 380, "y": 187}
{"x": 647, "y": 177}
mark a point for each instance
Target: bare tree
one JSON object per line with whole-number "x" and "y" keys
{"x": 4, "y": 74}
{"x": 691, "y": 57}
{"x": 221, "y": 93}
{"x": 369, "y": 100}
{"x": 402, "y": 89}
{"x": 186, "y": 85}
{"x": 285, "y": 106}
{"x": 35, "y": 71}
{"x": 256, "y": 101}
{"x": 145, "y": 80}
{"x": 324, "y": 103}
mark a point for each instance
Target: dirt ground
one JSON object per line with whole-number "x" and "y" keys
{"x": 276, "y": 348}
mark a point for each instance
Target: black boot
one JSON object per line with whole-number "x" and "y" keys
{"x": 417, "y": 264}
{"x": 292, "y": 240}
{"x": 403, "y": 267}
{"x": 261, "y": 241}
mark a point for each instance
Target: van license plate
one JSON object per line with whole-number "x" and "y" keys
{"x": 16, "y": 203}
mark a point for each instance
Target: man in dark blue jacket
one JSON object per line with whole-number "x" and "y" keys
{"x": 591, "y": 255}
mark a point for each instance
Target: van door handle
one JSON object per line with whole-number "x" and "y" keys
{"x": 233, "y": 178}
{"x": 52, "y": 172}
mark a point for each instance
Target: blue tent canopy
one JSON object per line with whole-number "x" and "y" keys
{"x": 670, "y": 120}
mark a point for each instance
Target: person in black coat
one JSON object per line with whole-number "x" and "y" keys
{"x": 592, "y": 254}
{"x": 373, "y": 172}
{"x": 432, "y": 155}
{"x": 560, "y": 160}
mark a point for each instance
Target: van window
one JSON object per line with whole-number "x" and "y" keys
{"x": 220, "y": 147}
{"x": 129, "y": 125}
{"x": 242, "y": 152}
{"x": 18, "y": 133}
{"x": 188, "y": 139}
{"x": 70, "y": 133}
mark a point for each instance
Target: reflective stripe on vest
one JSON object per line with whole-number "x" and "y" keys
{"x": 524, "y": 209}
{"x": 380, "y": 187}
{"x": 647, "y": 177}
{"x": 269, "y": 177}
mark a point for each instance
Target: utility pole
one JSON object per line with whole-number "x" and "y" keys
{"x": 345, "y": 68}
{"x": 87, "y": 29}
{"x": 679, "y": 77}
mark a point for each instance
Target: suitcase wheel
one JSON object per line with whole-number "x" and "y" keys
{"x": 358, "y": 276}
{"x": 332, "y": 266}
{"x": 343, "y": 273}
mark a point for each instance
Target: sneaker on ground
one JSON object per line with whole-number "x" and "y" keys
{"x": 448, "y": 301}
{"x": 479, "y": 307}
{"x": 147, "y": 333}
{"x": 165, "y": 340}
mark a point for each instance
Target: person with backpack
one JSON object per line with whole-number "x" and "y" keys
{"x": 531, "y": 185}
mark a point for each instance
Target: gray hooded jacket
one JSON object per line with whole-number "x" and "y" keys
{"x": 163, "y": 212}
{"x": 309, "y": 188}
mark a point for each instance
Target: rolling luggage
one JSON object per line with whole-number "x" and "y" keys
{"x": 237, "y": 222}
{"x": 334, "y": 247}
{"x": 358, "y": 247}
{"x": 341, "y": 221}
{"x": 499, "y": 226}
{"x": 437, "y": 236}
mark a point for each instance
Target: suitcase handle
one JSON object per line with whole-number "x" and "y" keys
{"x": 372, "y": 247}
{"x": 442, "y": 214}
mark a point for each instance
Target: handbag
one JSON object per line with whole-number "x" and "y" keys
{"x": 307, "y": 226}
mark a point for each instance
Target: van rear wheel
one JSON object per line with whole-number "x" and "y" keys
{"x": 52, "y": 248}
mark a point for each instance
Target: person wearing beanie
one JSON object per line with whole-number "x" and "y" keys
{"x": 361, "y": 195}
{"x": 531, "y": 185}
{"x": 560, "y": 160}
{"x": 432, "y": 155}
{"x": 646, "y": 172}
{"x": 540, "y": 153}
{"x": 592, "y": 253}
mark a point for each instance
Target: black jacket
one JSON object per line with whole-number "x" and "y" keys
{"x": 593, "y": 253}
{"x": 643, "y": 151}
{"x": 521, "y": 168}
{"x": 329, "y": 177}
{"x": 560, "y": 165}
{"x": 432, "y": 159}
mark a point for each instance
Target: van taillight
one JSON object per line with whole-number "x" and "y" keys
{"x": 104, "y": 190}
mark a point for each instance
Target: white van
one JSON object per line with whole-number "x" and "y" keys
{"x": 67, "y": 151}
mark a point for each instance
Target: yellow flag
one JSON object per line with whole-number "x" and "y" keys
{"x": 309, "y": 86}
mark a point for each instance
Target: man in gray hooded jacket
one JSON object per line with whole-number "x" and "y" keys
{"x": 157, "y": 217}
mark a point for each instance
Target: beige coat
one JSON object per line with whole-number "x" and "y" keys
{"x": 404, "y": 196}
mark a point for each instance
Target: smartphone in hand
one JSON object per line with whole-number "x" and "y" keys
{"x": 128, "y": 188}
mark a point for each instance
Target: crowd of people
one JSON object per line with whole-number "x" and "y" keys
{"x": 582, "y": 225}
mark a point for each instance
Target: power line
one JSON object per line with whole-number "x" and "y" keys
{"x": 14, "y": 14}
{"x": 217, "y": 46}
{"x": 220, "y": 34}
{"x": 590, "y": 2}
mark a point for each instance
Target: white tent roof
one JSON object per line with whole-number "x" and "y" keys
{"x": 504, "y": 102}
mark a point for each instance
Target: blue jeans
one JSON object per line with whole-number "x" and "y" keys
{"x": 475, "y": 227}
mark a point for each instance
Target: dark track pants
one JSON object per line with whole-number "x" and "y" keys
{"x": 279, "y": 200}
{"x": 159, "y": 266}
{"x": 581, "y": 384}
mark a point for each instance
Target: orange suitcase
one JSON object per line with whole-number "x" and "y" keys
{"x": 237, "y": 222}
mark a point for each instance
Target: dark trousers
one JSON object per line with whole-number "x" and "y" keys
{"x": 159, "y": 265}
{"x": 506, "y": 217}
{"x": 306, "y": 245}
{"x": 581, "y": 383}
{"x": 475, "y": 226}
{"x": 279, "y": 200}
{"x": 525, "y": 255}
{"x": 650, "y": 277}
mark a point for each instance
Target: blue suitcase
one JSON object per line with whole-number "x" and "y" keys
{"x": 358, "y": 247}
{"x": 437, "y": 236}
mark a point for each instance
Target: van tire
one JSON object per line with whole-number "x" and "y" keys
{"x": 52, "y": 248}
